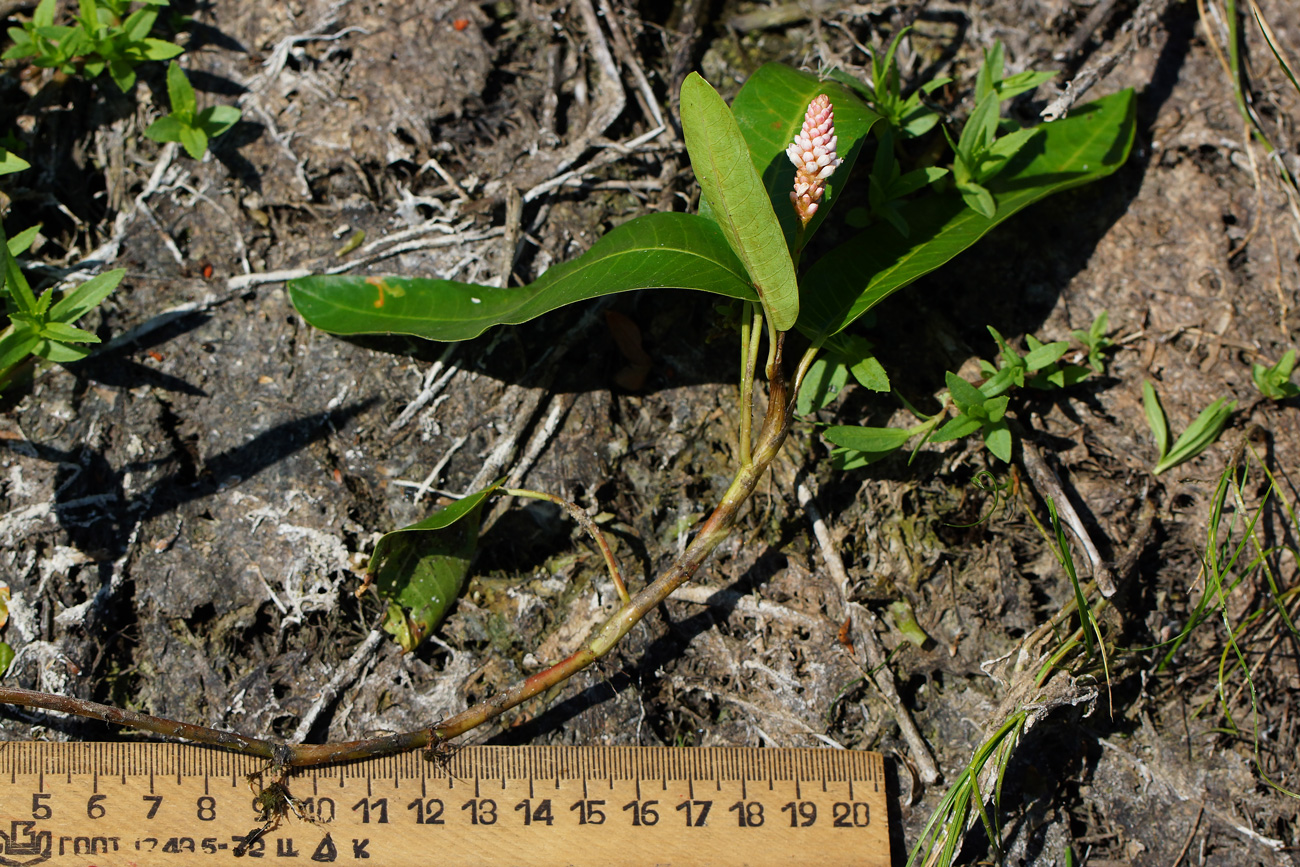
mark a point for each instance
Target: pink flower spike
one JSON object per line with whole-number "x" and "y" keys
{"x": 813, "y": 155}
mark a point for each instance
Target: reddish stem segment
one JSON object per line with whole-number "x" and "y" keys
{"x": 776, "y": 426}
{"x": 168, "y": 728}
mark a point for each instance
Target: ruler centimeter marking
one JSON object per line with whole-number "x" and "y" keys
{"x": 169, "y": 804}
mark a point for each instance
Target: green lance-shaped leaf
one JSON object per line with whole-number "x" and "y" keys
{"x": 86, "y": 297}
{"x": 872, "y": 440}
{"x": 10, "y": 162}
{"x": 15, "y": 345}
{"x": 1200, "y": 435}
{"x": 215, "y": 120}
{"x": 769, "y": 111}
{"x": 160, "y": 49}
{"x": 421, "y": 569}
{"x": 1090, "y": 144}
{"x": 137, "y": 25}
{"x": 1156, "y": 418}
{"x": 821, "y": 385}
{"x": 15, "y": 284}
{"x": 738, "y": 200}
{"x": 656, "y": 251}
{"x": 194, "y": 140}
{"x": 181, "y": 94}
{"x": 19, "y": 243}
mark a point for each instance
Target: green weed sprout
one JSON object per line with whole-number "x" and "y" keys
{"x": 1199, "y": 436}
{"x": 104, "y": 37}
{"x": 1039, "y": 368}
{"x": 107, "y": 35}
{"x": 986, "y": 145}
{"x": 186, "y": 124}
{"x": 977, "y": 408}
{"x": 1274, "y": 380}
{"x": 40, "y": 326}
{"x": 1096, "y": 342}
{"x": 908, "y": 116}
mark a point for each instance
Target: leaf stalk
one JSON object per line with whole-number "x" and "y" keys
{"x": 751, "y": 335}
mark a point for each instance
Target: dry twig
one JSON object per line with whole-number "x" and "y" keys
{"x": 721, "y": 597}
{"x": 1126, "y": 43}
{"x": 342, "y": 679}
{"x": 864, "y": 623}
{"x": 1049, "y": 487}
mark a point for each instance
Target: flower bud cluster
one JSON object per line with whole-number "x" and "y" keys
{"x": 813, "y": 155}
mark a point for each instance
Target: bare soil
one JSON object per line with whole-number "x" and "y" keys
{"x": 183, "y": 516}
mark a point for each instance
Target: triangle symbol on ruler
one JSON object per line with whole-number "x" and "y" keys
{"x": 326, "y": 851}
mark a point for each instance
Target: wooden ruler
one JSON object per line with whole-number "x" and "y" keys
{"x": 164, "y": 804}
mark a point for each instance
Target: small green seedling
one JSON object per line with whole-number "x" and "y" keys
{"x": 988, "y": 143}
{"x": 909, "y": 116}
{"x": 1096, "y": 342}
{"x": 104, "y": 37}
{"x": 1199, "y": 436}
{"x": 977, "y": 411}
{"x": 990, "y": 80}
{"x": 186, "y": 124}
{"x": 39, "y": 325}
{"x": 1040, "y": 368}
{"x": 1274, "y": 380}
{"x": 891, "y": 187}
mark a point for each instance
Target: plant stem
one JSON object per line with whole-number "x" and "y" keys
{"x": 751, "y": 333}
{"x": 771, "y": 436}
{"x": 611, "y": 562}
{"x": 746, "y": 382}
{"x": 805, "y": 363}
{"x": 168, "y": 728}
{"x": 15, "y": 372}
